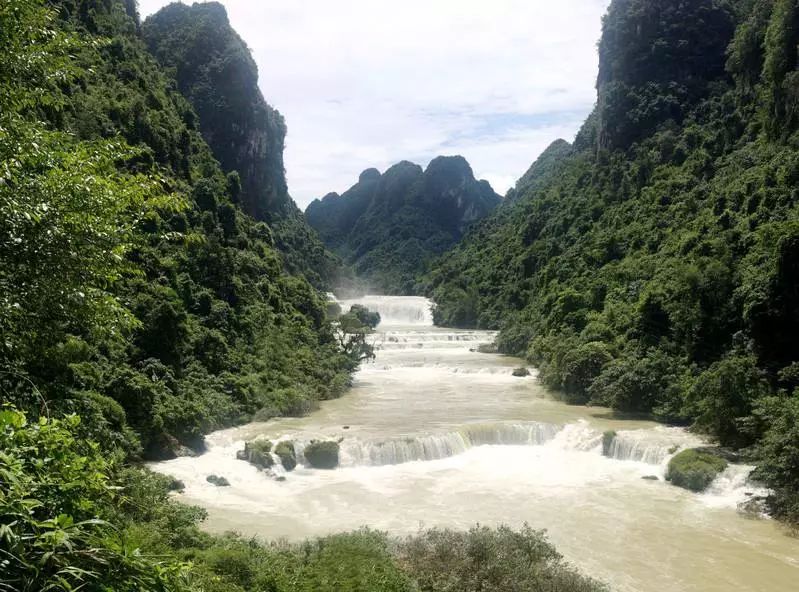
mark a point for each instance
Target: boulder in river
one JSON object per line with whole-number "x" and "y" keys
{"x": 322, "y": 454}
{"x": 287, "y": 455}
{"x": 520, "y": 372}
{"x": 694, "y": 469}
{"x": 258, "y": 453}
{"x": 218, "y": 480}
{"x": 607, "y": 441}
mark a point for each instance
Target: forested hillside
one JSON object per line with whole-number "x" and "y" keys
{"x": 136, "y": 292}
{"x": 389, "y": 227}
{"x": 653, "y": 266}
{"x": 214, "y": 70}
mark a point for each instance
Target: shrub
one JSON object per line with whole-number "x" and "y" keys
{"x": 367, "y": 317}
{"x": 722, "y": 398}
{"x": 694, "y": 469}
{"x": 779, "y": 452}
{"x": 56, "y": 503}
{"x": 322, "y": 455}
{"x": 500, "y": 560}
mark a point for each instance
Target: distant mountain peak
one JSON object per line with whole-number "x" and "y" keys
{"x": 369, "y": 175}
{"x": 389, "y": 226}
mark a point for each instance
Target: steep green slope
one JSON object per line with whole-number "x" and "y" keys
{"x": 388, "y": 227}
{"x": 201, "y": 327}
{"x": 656, "y": 270}
{"x": 216, "y": 73}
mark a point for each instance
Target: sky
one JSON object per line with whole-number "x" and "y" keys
{"x": 370, "y": 83}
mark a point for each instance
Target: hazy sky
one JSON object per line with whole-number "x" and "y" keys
{"x": 369, "y": 83}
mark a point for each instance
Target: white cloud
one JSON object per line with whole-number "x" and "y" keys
{"x": 369, "y": 83}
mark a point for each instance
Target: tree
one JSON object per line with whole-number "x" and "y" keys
{"x": 352, "y": 335}
{"x": 68, "y": 211}
{"x": 367, "y": 317}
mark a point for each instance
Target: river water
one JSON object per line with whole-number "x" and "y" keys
{"x": 434, "y": 433}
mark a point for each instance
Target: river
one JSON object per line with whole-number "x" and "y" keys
{"x": 434, "y": 433}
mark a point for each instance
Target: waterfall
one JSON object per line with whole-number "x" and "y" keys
{"x": 355, "y": 452}
{"x": 653, "y": 446}
{"x": 732, "y": 488}
{"x": 578, "y": 436}
{"x": 396, "y": 310}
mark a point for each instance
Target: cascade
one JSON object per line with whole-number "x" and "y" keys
{"x": 732, "y": 487}
{"x": 355, "y": 452}
{"x": 396, "y": 310}
{"x": 653, "y": 446}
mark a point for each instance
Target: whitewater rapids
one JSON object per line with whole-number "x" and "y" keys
{"x": 434, "y": 433}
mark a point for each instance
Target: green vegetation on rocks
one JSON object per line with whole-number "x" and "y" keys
{"x": 258, "y": 453}
{"x": 367, "y": 317}
{"x": 322, "y": 454}
{"x": 287, "y": 455}
{"x": 694, "y": 469}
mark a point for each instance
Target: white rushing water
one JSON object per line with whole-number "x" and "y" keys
{"x": 435, "y": 433}
{"x": 396, "y": 310}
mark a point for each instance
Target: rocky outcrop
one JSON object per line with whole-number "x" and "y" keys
{"x": 215, "y": 71}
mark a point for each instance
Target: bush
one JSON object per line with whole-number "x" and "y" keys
{"x": 722, "y": 397}
{"x": 500, "y": 560}
{"x": 367, "y": 317}
{"x": 322, "y": 455}
{"x": 779, "y": 455}
{"x": 354, "y": 562}
{"x": 694, "y": 469}
{"x": 639, "y": 383}
{"x": 57, "y": 501}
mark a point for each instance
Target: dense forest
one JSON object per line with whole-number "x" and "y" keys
{"x": 651, "y": 266}
{"x": 143, "y": 305}
{"x": 389, "y": 227}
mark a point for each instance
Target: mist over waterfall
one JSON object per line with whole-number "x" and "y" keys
{"x": 396, "y": 310}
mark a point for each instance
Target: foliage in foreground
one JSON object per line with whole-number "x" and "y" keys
{"x": 57, "y": 520}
